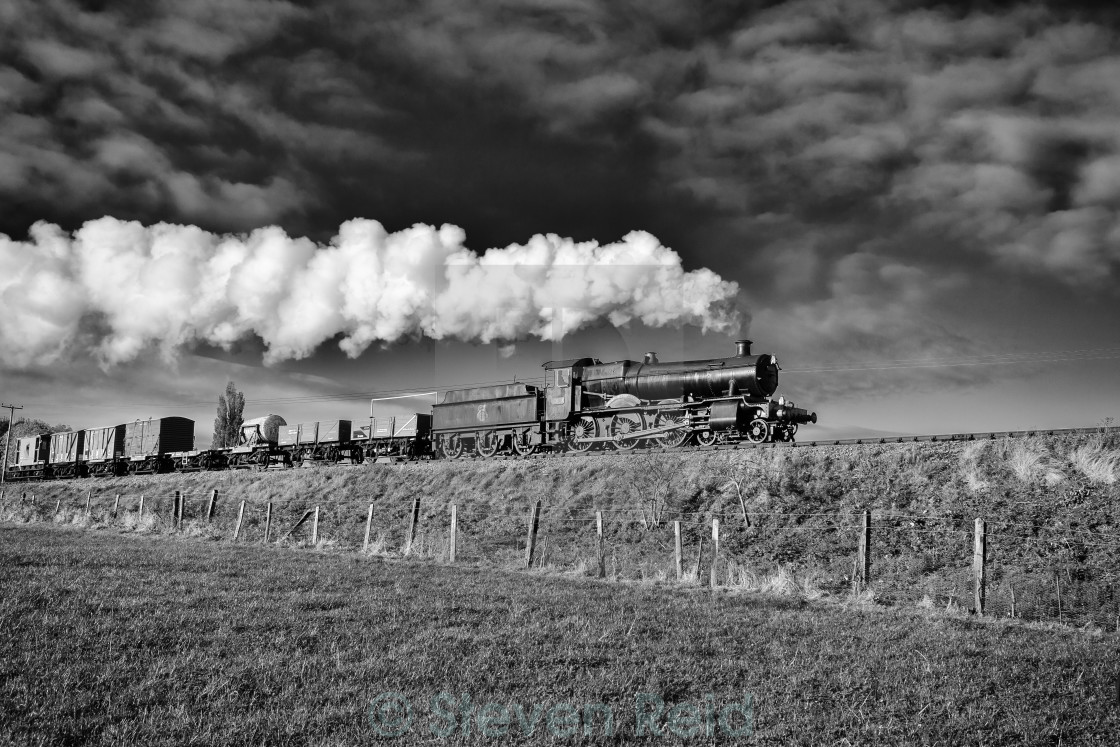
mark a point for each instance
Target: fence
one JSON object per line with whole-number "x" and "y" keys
{"x": 1024, "y": 570}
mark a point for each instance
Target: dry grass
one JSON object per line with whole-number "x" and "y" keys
{"x": 782, "y": 582}
{"x": 1025, "y": 461}
{"x": 1098, "y": 465}
{"x": 971, "y": 470}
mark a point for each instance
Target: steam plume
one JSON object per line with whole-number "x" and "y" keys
{"x": 116, "y": 289}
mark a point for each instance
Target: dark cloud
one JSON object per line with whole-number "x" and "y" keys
{"x": 851, "y": 165}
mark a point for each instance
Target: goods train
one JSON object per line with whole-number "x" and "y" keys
{"x": 584, "y": 404}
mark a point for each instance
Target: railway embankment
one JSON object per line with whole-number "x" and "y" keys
{"x": 788, "y": 517}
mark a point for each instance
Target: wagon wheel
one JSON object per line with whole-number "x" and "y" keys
{"x": 521, "y": 444}
{"x": 585, "y": 427}
{"x": 758, "y": 431}
{"x": 672, "y": 439}
{"x": 133, "y": 467}
{"x": 706, "y": 438}
{"x": 624, "y": 424}
{"x": 334, "y": 455}
{"x": 486, "y": 443}
{"x": 452, "y": 446}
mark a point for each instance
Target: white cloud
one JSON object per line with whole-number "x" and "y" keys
{"x": 167, "y": 285}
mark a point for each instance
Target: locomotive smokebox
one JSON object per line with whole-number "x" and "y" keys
{"x": 742, "y": 348}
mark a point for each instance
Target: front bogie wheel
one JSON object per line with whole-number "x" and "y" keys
{"x": 706, "y": 438}
{"x": 758, "y": 431}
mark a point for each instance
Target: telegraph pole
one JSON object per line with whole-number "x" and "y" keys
{"x": 8, "y": 436}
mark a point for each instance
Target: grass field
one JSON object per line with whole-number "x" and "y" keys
{"x": 1052, "y": 505}
{"x": 115, "y": 638}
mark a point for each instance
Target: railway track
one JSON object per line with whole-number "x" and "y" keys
{"x": 749, "y": 446}
{"x": 740, "y": 446}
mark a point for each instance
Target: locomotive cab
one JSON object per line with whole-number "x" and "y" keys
{"x": 563, "y": 390}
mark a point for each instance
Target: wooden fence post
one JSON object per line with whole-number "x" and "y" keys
{"x": 89, "y": 496}
{"x": 267, "y": 521}
{"x": 177, "y": 517}
{"x": 1058, "y": 589}
{"x": 979, "y": 551}
{"x": 57, "y": 504}
{"x": 141, "y": 516}
{"x": 454, "y": 531}
{"x": 699, "y": 554}
{"x": 677, "y": 549}
{"x": 715, "y": 553}
{"x": 116, "y": 504}
{"x": 240, "y": 516}
{"x": 863, "y": 563}
{"x": 600, "y": 549}
{"x": 369, "y": 525}
{"x": 531, "y": 540}
{"x": 315, "y": 527}
{"x": 210, "y": 507}
{"x": 413, "y": 523}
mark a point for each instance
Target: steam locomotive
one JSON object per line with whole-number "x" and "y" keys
{"x": 584, "y": 404}
{"x": 623, "y": 405}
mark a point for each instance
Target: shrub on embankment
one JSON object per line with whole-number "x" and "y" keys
{"x": 1050, "y": 503}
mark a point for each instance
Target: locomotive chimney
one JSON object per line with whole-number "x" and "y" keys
{"x": 651, "y": 357}
{"x": 742, "y": 348}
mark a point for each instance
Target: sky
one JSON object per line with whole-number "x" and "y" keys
{"x": 913, "y": 205}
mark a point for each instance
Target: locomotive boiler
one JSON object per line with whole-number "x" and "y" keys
{"x": 651, "y": 380}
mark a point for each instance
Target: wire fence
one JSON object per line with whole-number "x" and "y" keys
{"x": 1033, "y": 571}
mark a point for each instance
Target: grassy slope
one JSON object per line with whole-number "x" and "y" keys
{"x": 112, "y": 639}
{"x": 1051, "y": 504}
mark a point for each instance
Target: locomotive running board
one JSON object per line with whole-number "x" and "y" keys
{"x": 637, "y": 435}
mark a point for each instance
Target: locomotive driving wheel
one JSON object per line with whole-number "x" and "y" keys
{"x": 486, "y": 443}
{"x": 624, "y": 424}
{"x": 452, "y": 446}
{"x": 585, "y": 427}
{"x": 758, "y": 431}
{"x": 672, "y": 439}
